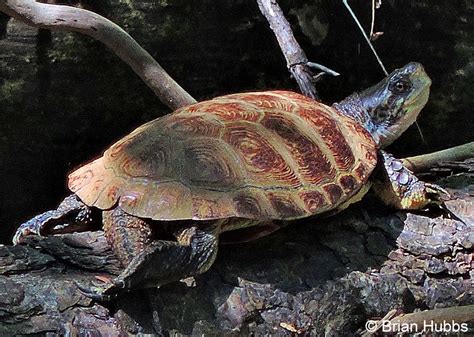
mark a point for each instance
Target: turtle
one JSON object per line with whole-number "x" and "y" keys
{"x": 239, "y": 166}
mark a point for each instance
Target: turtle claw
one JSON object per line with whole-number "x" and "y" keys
{"x": 103, "y": 293}
{"x": 20, "y": 234}
{"x": 31, "y": 227}
{"x": 437, "y": 194}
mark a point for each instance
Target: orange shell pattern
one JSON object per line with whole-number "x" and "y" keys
{"x": 261, "y": 155}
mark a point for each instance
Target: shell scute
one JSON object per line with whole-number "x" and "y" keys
{"x": 267, "y": 100}
{"x": 205, "y": 125}
{"x": 207, "y": 205}
{"x": 264, "y": 163}
{"x": 348, "y": 183}
{"x": 206, "y": 165}
{"x": 249, "y": 206}
{"x": 330, "y": 132}
{"x": 285, "y": 206}
{"x": 312, "y": 163}
{"x": 314, "y": 201}
{"x": 334, "y": 192}
{"x": 232, "y": 111}
{"x": 165, "y": 201}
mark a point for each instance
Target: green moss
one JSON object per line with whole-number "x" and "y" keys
{"x": 11, "y": 91}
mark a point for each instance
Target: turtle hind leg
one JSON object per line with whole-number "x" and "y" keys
{"x": 154, "y": 263}
{"x": 72, "y": 214}
{"x": 397, "y": 186}
{"x": 126, "y": 234}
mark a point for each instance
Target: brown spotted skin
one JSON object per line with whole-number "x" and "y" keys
{"x": 127, "y": 234}
{"x": 263, "y": 155}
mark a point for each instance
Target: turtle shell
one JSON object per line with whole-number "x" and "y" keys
{"x": 261, "y": 155}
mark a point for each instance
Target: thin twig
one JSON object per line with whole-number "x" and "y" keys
{"x": 372, "y": 23}
{"x": 365, "y": 36}
{"x": 322, "y": 68}
{"x": 59, "y": 17}
{"x": 420, "y": 132}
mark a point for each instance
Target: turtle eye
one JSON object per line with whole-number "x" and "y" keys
{"x": 400, "y": 86}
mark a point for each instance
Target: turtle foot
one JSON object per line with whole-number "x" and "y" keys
{"x": 32, "y": 227}
{"x": 70, "y": 215}
{"x": 105, "y": 292}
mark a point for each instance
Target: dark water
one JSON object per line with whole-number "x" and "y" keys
{"x": 64, "y": 97}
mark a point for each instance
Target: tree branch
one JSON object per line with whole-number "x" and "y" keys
{"x": 296, "y": 59}
{"x": 426, "y": 161}
{"x": 58, "y": 17}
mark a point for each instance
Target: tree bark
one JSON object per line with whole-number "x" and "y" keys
{"x": 58, "y": 17}
{"x": 317, "y": 277}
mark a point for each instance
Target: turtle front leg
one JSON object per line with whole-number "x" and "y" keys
{"x": 397, "y": 186}
{"x": 155, "y": 263}
{"x": 70, "y": 215}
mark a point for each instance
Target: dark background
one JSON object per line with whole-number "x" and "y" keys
{"x": 65, "y": 97}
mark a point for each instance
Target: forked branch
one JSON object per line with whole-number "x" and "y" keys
{"x": 59, "y": 17}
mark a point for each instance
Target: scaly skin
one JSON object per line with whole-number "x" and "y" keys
{"x": 159, "y": 262}
{"x": 57, "y": 220}
{"x": 126, "y": 234}
{"x": 398, "y": 187}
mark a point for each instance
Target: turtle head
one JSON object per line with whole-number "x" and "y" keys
{"x": 394, "y": 103}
